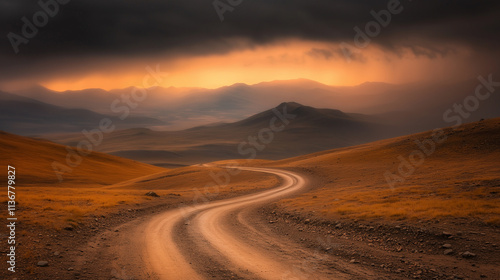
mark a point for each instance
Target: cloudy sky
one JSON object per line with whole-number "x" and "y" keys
{"x": 76, "y": 44}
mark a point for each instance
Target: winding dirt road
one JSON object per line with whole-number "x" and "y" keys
{"x": 224, "y": 240}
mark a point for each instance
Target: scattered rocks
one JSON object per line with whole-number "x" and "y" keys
{"x": 152, "y": 194}
{"x": 42, "y": 263}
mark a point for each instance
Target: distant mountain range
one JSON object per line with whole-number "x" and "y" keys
{"x": 27, "y": 116}
{"x": 413, "y": 107}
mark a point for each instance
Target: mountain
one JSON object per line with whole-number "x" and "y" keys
{"x": 290, "y": 129}
{"x": 26, "y": 116}
{"x": 35, "y": 159}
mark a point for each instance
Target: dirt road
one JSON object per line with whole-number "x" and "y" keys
{"x": 222, "y": 240}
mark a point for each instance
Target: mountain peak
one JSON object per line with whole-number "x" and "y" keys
{"x": 289, "y": 105}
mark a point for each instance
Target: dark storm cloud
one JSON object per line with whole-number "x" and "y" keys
{"x": 148, "y": 27}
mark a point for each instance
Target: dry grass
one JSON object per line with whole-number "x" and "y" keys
{"x": 33, "y": 161}
{"x": 104, "y": 183}
{"x": 460, "y": 180}
{"x": 56, "y": 207}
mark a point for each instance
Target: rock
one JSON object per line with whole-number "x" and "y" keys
{"x": 56, "y": 253}
{"x": 307, "y": 221}
{"x": 70, "y": 269}
{"x": 448, "y": 251}
{"x": 339, "y": 225}
{"x": 153, "y": 194}
{"x": 174, "y": 194}
{"x": 43, "y": 263}
{"x": 468, "y": 255}
{"x": 68, "y": 227}
{"x": 447, "y": 246}
{"x": 446, "y": 234}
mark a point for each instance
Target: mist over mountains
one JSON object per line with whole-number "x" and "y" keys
{"x": 414, "y": 107}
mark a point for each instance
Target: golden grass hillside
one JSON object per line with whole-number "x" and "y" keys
{"x": 103, "y": 183}
{"x": 34, "y": 162}
{"x": 459, "y": 179}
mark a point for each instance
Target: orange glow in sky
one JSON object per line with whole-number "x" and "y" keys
{"x": 280, "y": 61}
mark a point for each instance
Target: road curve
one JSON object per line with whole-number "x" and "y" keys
{"x": 218, "y": 240}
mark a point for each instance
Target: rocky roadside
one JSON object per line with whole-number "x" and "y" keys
{"x": 447, "y": 249}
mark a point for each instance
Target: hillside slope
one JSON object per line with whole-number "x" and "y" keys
{"x": 34, "y": 162}
{"x": 455, "y": 173}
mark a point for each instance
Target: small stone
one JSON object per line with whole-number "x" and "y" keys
{"x": 56, "y": 253}
{"x": 447, "y": 234}
{"x": 307, "y": 221}
{"x": 468, "y": 255}
{"x": 70, "y": 268}
{"x": 448, "y": 251}
{"x": 447, "y": 246}
{"x": 339, "y": 225}
{"x": 153, "y": 194}
{"x": 43, "y": 263}
{"x": 69, "y": 227}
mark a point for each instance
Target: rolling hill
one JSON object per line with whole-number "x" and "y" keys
{"x": 451, "y": 173}
{"x": 36, "y": 160}
{"x": 299, "y": 130}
